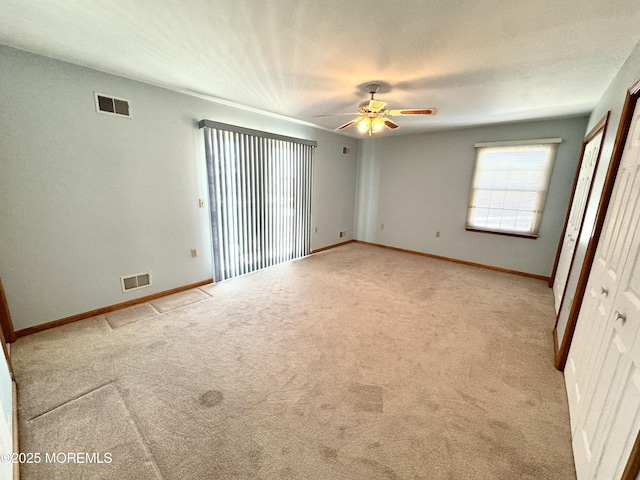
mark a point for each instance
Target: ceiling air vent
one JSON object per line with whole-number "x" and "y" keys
{"x": 112, "y": 105}
{"x": 133, "y": 282}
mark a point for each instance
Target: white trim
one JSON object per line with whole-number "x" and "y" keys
{"x": 511, "y": 143}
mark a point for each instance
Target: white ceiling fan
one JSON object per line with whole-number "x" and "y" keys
{"x": 373, "y": 116}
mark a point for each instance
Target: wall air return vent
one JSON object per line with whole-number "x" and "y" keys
{"x": 112, "y": 105}
{"x": 133, "y": 282}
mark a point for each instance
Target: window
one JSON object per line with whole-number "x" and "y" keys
{"x": 260, "y": 197}
{"x": 509, "y": 186}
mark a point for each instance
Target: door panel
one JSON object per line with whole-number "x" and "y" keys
{"x": 603, "y": 378}
{"x": 576, "y": 216}
{"x": 6, "y": 417}
{"x": 581, "y": 361}
{"x": 626, "y": 419}
{"x": 611, "y": 422}
{"x": 616, "y": 231}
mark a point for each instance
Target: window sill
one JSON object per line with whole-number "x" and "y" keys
{"x": 507, "y": 234}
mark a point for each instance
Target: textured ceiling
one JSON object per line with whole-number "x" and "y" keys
{"x": 477, "y": 61}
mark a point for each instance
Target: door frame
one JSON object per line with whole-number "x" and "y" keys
{"x": 562, "y": 351}
{"x": 601, "y": 126}
{"x": 633, "y": 464}
{"x": 6, "y": 327}
{"x": 6, "y": 324}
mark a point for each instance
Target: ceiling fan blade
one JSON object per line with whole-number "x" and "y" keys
{"x": 348, "y": 124}
{"x": 390, "y": 124}
{"x": 336, "y": 114}
{"x": 412, "y": 111}
{"x": 376, "y": 105}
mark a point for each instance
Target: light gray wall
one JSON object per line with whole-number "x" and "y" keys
{"x": 87, "y": 197}
{"x": 612, "y": 100}
{"x": 417, "y": 185}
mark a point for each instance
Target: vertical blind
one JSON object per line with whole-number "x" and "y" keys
{"x": 260, "y": 198}
{"x": 509, "y": 186}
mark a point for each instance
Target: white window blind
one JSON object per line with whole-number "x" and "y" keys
{"x": 260, "y": 197}
{"x": 509, "y": 186}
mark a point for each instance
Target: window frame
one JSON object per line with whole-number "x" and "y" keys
{"x": 481, "y": 149}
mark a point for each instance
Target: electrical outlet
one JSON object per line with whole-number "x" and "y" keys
{"x": 342, "y": 234}
{"x": 382, "y": 226}
{"x": 437, "y": 234}
{"x": 194, "y": 252}
{"x": 315, "y": 230}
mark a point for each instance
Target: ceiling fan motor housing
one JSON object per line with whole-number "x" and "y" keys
{"x": 373, "y": 88}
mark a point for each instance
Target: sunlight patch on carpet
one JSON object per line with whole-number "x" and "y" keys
{"x": 177, "y": 300}
{"x": 130, "y": 315}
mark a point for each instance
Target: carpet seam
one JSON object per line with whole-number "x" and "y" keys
{"x": 185, "y": 305}
{"x": 140, "y": 433}
{"x": 84, "y": 394}
{"x": 153, "y": 306}
{"x": 203, "y": 291}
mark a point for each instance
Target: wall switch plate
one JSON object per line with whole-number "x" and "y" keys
{"x": 438, "y": 234}
{"x": 194, "y": 252}
{"x": 201, "y": 202}
{"x": 382, "y": 226}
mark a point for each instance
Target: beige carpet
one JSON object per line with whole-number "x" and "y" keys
{"x": 354, "y": 363}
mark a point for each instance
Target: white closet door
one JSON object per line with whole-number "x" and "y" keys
{"x": 603, "y": 377}
{"x": 576, "y": 215}
{"x": 6, "y": 416}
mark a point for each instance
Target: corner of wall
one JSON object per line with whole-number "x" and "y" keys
{"x": 367, "y": 189}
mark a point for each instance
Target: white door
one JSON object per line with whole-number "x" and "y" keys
{"x": 6, "y": 417}
{"x": 576, "y": 215}
{"x": 603, "y": 374}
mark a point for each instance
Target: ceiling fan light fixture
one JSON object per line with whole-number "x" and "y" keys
{"x": 364, "y": 125}
{"x": 377, "y": 124}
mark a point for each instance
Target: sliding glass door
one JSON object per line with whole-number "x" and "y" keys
{"x": 260, "y": 196}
